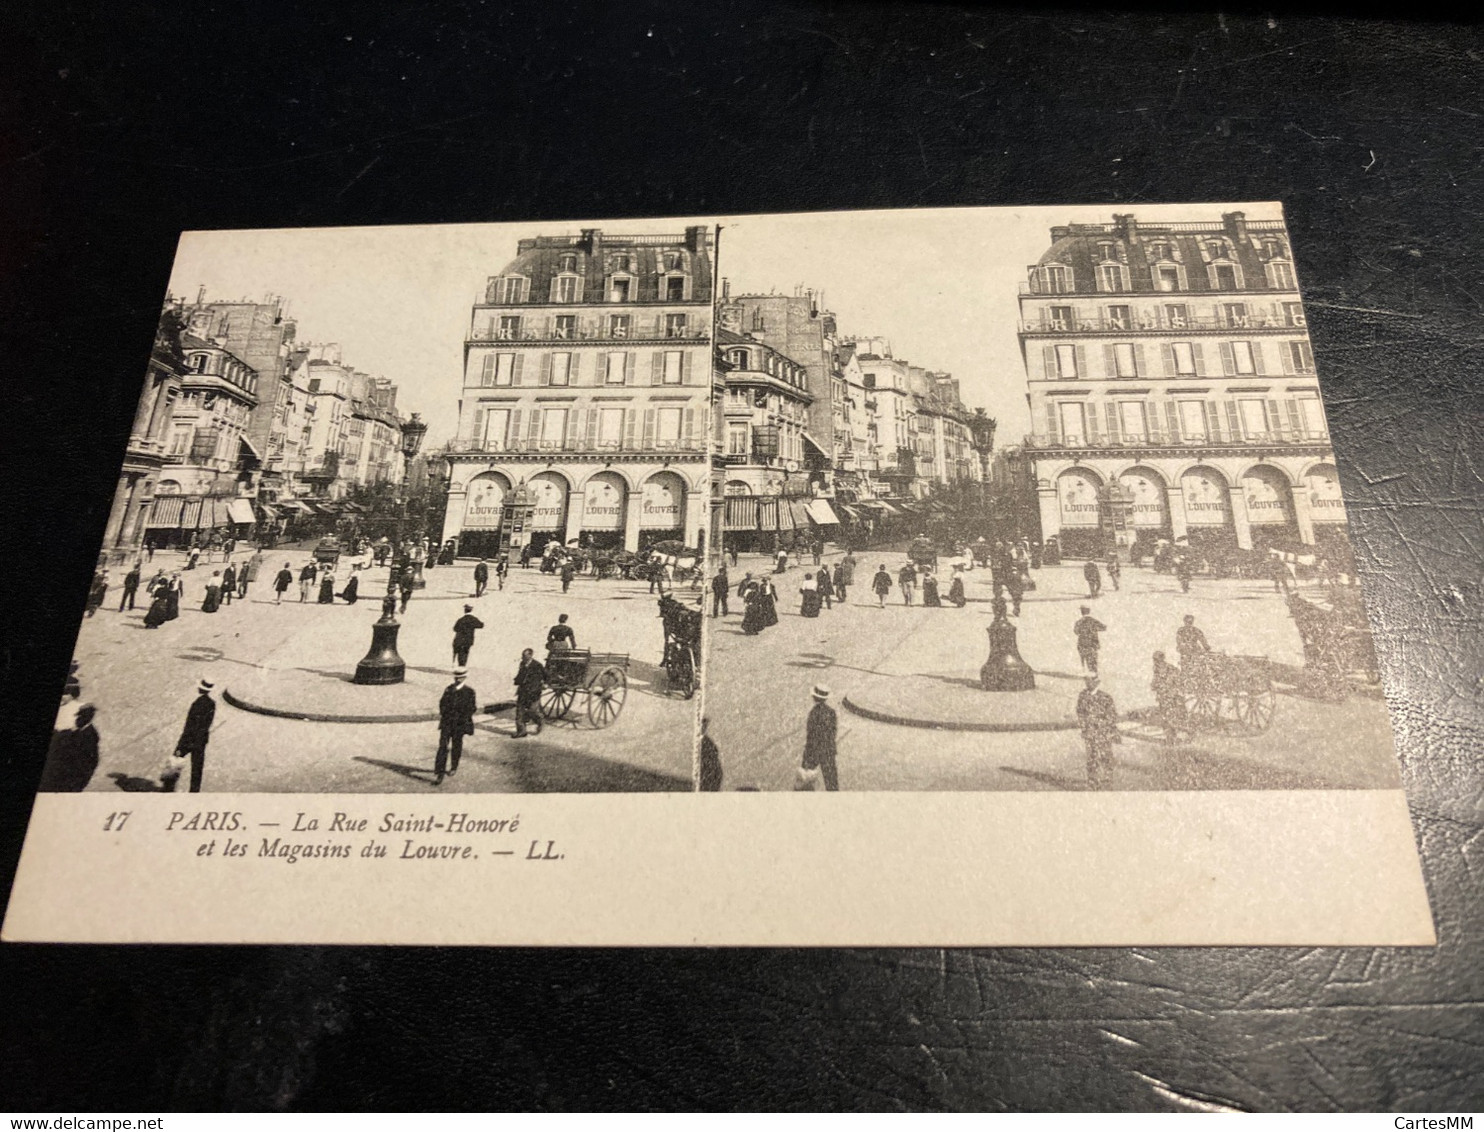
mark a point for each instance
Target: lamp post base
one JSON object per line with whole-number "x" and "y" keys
{"x": 418, "y": 581}
{"x": 382, "y": 665}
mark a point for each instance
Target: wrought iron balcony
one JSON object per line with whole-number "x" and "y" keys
{"x": 1158, "y": 438}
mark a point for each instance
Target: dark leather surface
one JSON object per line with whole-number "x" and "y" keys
{"x": 119, "y": 128}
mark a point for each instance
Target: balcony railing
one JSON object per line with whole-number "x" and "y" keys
{"x": 1158, "y": 438}
{"x": 695, "y": 444}
{"x": 588, "y": 334}
{"x": 1158, "y": 324}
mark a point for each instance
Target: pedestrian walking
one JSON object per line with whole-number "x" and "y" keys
{"x": 131, "y": 587}
{"x": 159, "y": 599}
{"x": 780, "y": 561}
{"x": 844, "y": 576}
{"x": 306, "y": 580}
{"x": 228, "y": 546}
{"x": 767, "y": 596}
{"x": 569, "y": 571}
{"x": 930, "y": 596}
{"x": 193, "y": 739}
{"x": 327, "y": 586}
{"x": 809, "y": 602}
{"x": 1015, "y": 586}
{"x": 1190, "y": 643}
{"x": 249, "y": 573}
{"x": 1097, "y": 717}
{"x": 405, "y": 581}
{"x": 529, "y": 678}
{"x": 73, "y": 756}
{"x": 956, "y": 588}
{"x": 229, "y": 584}
{"x": 502, "y": 568}
{"x": 192, "y": 557}
{"x": 1278, "y": 571}
{"x": 525, "y": 556}
{"x": 281, "y": 583}
{"x": 97, "y": 592}
{"x": 174, "y": 595}
{"x": 455, "y": 720}
{"x": 732, "y": 554}
{"x": 149, "y": 550}
{"x": 1183, "y": 572}
{"x": 820, "y": 729}
{"x": 1168, "y": 698}
{"x": 463, "y": 635}
{"x": 1094, "y": 578}
{"x": 1087, "y": 629}
{"x": 709, "y": 778}
{"x": 907, "y": 580}
{"x": 721, "y": 588}
{"x": 350, "y": 595}
{"x": 826, "y": 587}
{"x": 750, "y": 592}
{"x": 1115, "y": 570}
{"x": 560, "y": 636}
{"x": 481, "y": 578}
{"x": 816, "y": 546}
{"x": 881, "y": 585}
{"x": 213, "y": 599}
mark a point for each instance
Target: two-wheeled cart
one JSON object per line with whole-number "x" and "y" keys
{"x": 1228, "y": 689}
{"x": 602, "y": 677}
{"x": 682, "y": 654}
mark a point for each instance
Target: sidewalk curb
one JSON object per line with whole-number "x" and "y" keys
{"x": 945, "y": 725}
{"x": 238, "y": 701}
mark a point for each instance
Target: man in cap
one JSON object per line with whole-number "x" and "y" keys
{"x": 194, "y": 736}
{"x": 1190, "y": 642}
{"x": 529, "y": 678}
{"x": 463, "y": 635}
{"x": 1087, "y": 629}
{"x": 1098, "y": 718}
{"x": 481, "y": 577}
{"x": 455, "y": 720}
{"x": 819, "y": 741}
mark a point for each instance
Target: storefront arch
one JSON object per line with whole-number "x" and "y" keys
{"x": 1079, "y": 493}
{"x": 662, "y": 503}
{"x": 605, "y": 498}
{"x": 1148, "y": 507}
{"x": 484, "y": 504}
{"x": 550, "y": 493}
{"x": 1206, "y": 496}
{"x": 1268, "y": 495}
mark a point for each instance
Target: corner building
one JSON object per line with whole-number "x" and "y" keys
{"x": 587, "y": 379}
{"x": 1172, "y": 390}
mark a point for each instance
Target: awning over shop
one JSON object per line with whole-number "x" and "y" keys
{"x": 294, "y": 505}
{"x": 785, "y": 516}
{"x": 819, "y": 510}
{"x": 269, "y": 512}
{"x": 767, "y": 513}
{"x": 851, "y": 513}
{"x": 741, "y": 513}
{"x": 166, "y": 511}
{"x": 248, "y": 449}
{"x": 799, "y": 513}
{"x": 240, "y": 510}
{"x": 886, "y": 507}
{"x": 814, "y": 444}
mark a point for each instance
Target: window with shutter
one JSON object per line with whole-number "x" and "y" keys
{"x": 515, "y": 436}
{"x": 574, "y": 427}
{"x": 477, "y": 433}
{"x": 533, "y": 429}
{"x": 560, "y": 369}
{"x": 1172, "y": 423}
{"x": 628, "y": 369}
{"x": 545, "y": 378}
{"x": 1048, "y": 367}
{"x": 1110, "y": 414}
{"x": 1080, "y": 353}
{"x": 1295, "y": 423}
{"x": 690, "y": 427}
{"x": 648, "y": 430}
{"x": 593, "y": 416}
{"x": 631, "y": 417}
{"x": 487, "y": 370}
{"x": 1228, "y": 366}
{"x": 1053, "y": 423}
{"x": 1125, "y": 362}
{"x": 520, "y": 360}
{"x": 496, "y": 429}
{"x": 1233, "y": 421}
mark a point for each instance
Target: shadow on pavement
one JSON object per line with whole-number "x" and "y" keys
{"x": 541, "y": 768}
{"x": 1055, "y": 780}
{"x": 1189, "y": 768}
{"x": 416, "y": 773}
{"x": 132, "y": 785}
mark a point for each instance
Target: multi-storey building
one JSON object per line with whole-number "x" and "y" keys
{"x": 1172, "y": 389}
{"x": 148, "y": 437}
{"x": 209, "y": 477}
{"x": 587, "y": 381}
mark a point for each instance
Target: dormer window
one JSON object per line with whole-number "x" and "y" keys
{"x": 1110, "y": 277}
{"x": 672, "y": 261}
{"x": 1056, "y": 279}
{"x": 1108, "y": 253}
{"x": 511, "y": 289}
{"x": 565, "y": 289}
{"x": 1280, "y": 275}
{"x": 620, "y": 263}
{"x": 569, "y": 264}
{"x": 675, "y": 288}
{"x": 738, "y": 358}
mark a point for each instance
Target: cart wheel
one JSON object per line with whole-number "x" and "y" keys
{"x": 606, "y": 693}
{"x": 1203, "y": 708}
{"x": 682, "y": 671}
{"x": 1255, "y": 709}
{"x": 556, "y": 700}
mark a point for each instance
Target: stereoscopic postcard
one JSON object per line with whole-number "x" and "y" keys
{"x": 938, "y": 577}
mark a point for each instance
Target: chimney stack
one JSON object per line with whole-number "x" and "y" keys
{"x": 1236, "y": 225}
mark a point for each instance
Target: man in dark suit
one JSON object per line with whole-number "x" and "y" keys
{"x": 1098, "y": 718}
{"x": 131, "y": 587}
{"x": 721, "y": 586}
{"x": 74, "y": 755}
{"x": 196, "y": 733}
{"x": 463, "y": 635}
{"x": 455, "y": 720}
{"x": 481, "y": 578}
{"x": 1087, "y": 628}
{"x": 819, "y": 739}
{"x": 710, "y": 768}
{"x": 528, "y": 680}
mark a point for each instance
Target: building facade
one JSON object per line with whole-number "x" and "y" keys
{"x": 208, "y": 480}
{"x": 587, "y": 382}
{"x": 149, "y": 435}
{"x": 1172, "y": 390}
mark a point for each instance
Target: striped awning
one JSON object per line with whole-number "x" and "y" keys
{"x": 819, "y": 510}
{"x": 741, "y": 513}
{"x": 166, "y": 511}
{"x": 799, "y": 513}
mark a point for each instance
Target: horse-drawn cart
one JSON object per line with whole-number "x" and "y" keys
{"x": 1221, "y": 689}
{"x": 682, "y": 656}
{"x": 601, "y": 676}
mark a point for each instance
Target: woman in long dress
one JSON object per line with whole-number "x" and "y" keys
{"x": 352, "y": 590}
{"x": 327, "y": 587}
{"x": 956, "y": 588}
{"x": 174, "y": 591}
{"x": 767, "y": 598}
{"x": 213, "y": 600}
{"x": 752, "y": 614}
{"x": 159, "y": 603}
{"x": 809, "y": 600}
{"x": 930, "y": 590}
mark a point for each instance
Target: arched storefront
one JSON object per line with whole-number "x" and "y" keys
{"x": 1148, "y": 508}
{"x": 1079, "y": 505}
{"x": 1208, "y": 511}
{"x": 1321, "y": 485}
{"x": 604, "y": 500}
{"x": 1269, "y": 500}
{"x": 662, "y": 509}
{"x": 484, "y": 505}
{"x": 549, "y": 498}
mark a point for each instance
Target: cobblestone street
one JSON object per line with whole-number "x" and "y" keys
{"x": 142, "y": 682}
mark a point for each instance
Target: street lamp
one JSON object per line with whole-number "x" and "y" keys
{"x": 383, "y": 665}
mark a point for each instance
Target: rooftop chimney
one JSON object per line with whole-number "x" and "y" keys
{"x": 1126, "y": 226}
{"x": 1236, "y": 225}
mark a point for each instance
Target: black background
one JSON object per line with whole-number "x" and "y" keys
{"x": 121, "y": 125}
